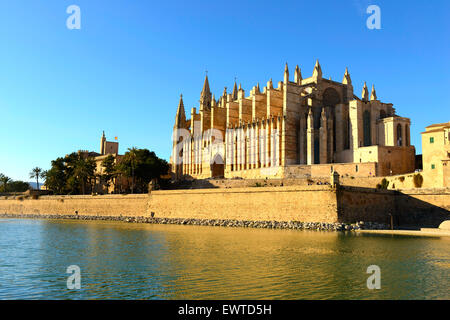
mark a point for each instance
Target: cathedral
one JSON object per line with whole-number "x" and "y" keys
{"x": 304, "y": 127}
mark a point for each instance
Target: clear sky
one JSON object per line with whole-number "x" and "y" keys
{"x": 124, "y": 70}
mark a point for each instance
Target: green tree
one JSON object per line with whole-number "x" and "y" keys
{"x": 4, "y": 180}
{"x": 142, "y": 166}
{"x": 83, "y": 172}
{"x": 18, "y": 186}
{"x": 109, "y": 171}
{"x": 55, "y": 177}
{"x": 37, "y": 173}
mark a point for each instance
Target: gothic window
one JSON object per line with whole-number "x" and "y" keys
{"x": 399, "y": 135}
{"x": 431, "y": 139}
{"x": 331, "y": 98}
{"x": 366, "y": 127}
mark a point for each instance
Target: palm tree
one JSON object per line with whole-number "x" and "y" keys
{"x": 37, "y": 173}
{"x": 4, "y": 180}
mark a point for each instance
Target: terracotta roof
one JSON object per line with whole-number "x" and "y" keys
{"x": 434, "y": 130}
{"x": 445, "y": 124}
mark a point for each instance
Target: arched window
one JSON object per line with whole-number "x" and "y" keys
{"x": 399, "y": 135}
{"x": 366, "y": 127}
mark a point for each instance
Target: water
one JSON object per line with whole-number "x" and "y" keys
{"x": 140, "y": 261}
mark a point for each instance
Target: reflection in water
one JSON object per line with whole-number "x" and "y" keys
{"x": 138, "y": 261}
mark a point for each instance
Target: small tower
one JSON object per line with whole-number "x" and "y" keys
{"x": 224, "y": 95}
{"x": 347, "y": 80}
{"x": 298, "y": 76}
{"x": 365, "y": 93}
{"x": 241, "y": 93}
{"x": 317, "y": 73}
{"x": 235, "y": 91}
{"x": 180, "y": 118}
{"x": 102, "y": 143}
{"x": 205, "y": 96}
{"x": 373, "y": 95}
{"x": 286, "y": 74}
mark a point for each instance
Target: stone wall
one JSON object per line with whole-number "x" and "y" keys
{"x": 365, "y": 204}
{"x": 105, "y": 205}
{"x": 310, "y": 203}
{"x": 429, "y": 207}
{"x": 293, "y": 203}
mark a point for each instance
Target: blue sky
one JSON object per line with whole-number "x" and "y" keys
{"x": 124, "y": 70}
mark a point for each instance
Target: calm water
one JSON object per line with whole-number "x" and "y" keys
{"x": 137, "y": 261}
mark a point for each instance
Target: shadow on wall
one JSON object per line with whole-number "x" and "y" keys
{"x": 374, "y": 205}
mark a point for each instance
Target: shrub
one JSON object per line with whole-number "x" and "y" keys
{"x": 384, "y": 184}
{"x": 418, "y": 180}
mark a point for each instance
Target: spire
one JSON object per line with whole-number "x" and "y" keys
{"x": 286, "y": 73}
{"x": 240, "y": 87}
{"x": 270, "y": 84}
{"x": 365, "y": 93}
{"x": 297, "y": 75}
{"x": 373, "y": 95}
{"x": 205, "y": 96}
{"x": 224, "y": 95}
{"x": 347, "y": 80}
{"x": 257, "y": 88}
{"x": 206, "y": 86}
{"x": 213, "y": 101}
{"x": 180, "y": 118}
{"x": 235, "y": 91}
{"x": 103, "y": 136}
{"x": 317, "y": 73}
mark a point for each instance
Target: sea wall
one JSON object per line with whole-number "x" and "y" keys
{"x": 105, "y": 205}
{"x": 314, "y": 203}
{"x": 292, "y": 203}
{"x": 365, "y": 204}
{"x": 428, "y": 207}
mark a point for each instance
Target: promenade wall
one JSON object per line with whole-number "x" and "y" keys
{"x": 315, "y": 203}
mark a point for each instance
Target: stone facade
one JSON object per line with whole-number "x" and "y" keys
{"x": 301, "y": 123}
{"x": 436, "y": 155}
{"x": 118, "y": 183}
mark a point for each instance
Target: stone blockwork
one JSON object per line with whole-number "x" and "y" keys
{"x": 306, "y": 204}
{"x": 313, "y": 203}
{"x": 106, "y": 205}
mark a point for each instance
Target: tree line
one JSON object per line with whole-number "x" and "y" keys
{"x": 76, "y": 173}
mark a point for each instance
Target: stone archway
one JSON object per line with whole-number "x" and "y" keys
{"x": 218, "y": 167}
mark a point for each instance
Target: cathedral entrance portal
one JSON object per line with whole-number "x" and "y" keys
{"x": 217, "y": 167}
